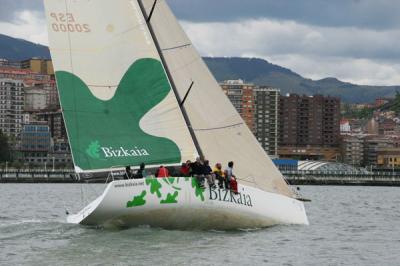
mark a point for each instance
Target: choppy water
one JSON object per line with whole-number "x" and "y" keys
{"x": 349, "y": 226}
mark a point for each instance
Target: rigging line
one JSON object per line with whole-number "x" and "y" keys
{"x": 171, "y": 80}
{"x": 176, "y": 47}
{"x": 152, "y": 11}
{"x": 218, "y": 128}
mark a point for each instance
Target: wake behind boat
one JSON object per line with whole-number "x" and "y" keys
{"x": 134, "y": 90}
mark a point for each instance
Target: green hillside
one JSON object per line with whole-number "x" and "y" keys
{"x": 17, "y": 49}
{"x": 261, "y": 72}
{"x": 254, "y": 70}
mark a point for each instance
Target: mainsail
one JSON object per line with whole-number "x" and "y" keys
{"x": 219, "y": 129}
{"x": 118, "y": 105}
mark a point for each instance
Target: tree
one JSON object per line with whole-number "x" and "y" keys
{"x": 5, "y": 149}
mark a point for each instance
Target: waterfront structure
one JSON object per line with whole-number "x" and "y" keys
{"x": 4, "y": 63}
{"x": 23, "y": 93}
{"x": 35, "y": 142}
{"x": 38, "y": 65}
{"x": 286, "y": 164}
{"x": 11, "y": 108}
{"x": 387, "y": 126}
{"x": 35, "y": 99}
{"x": 328, "y": 167}
{"x": 26, "y": 75}
{"x": 309, "y": 127}
{"x": 242, "y": 97}
{"x": 38, "y": 148}
{"x": 381, "y": 101}
{"x": 388, "y": 157}
{"x": 266, "y": 118}
{"x": 357, "y": 126}
{"x": 372, "y": 145}
{"x": 352, "y": 149}
{"x": 42, "y": 96}
{"x": 345, "y": 126}
{"x": 55, "y": 121}
{"x": 60, "y": 148}
{"x": 372, "y": 127}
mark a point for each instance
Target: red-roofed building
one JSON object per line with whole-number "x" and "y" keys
{"x": 345, "y": 126}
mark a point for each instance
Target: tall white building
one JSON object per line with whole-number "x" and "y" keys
{"x": 35, "y": 99}
{"x": 11, "y": 107}
{"x": 266, "y": 118}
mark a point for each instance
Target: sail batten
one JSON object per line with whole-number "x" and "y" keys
{"x": 208, "y": 108}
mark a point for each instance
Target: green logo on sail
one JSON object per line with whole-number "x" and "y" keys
{"x": 94, "y": 150}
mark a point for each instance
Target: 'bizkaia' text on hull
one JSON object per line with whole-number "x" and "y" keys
{"x": 229, "y": 196}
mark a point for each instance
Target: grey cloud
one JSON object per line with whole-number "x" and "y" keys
{"x": 342, "y": 13}
{"x": 310, "y": 50}
{"x": 9, "y": 7}
{"x": 373, "y": 14}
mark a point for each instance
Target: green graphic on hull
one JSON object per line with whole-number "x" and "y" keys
{"x": 155, "y": 186}
{"x": 106, "y": 134}
{"x": 171, "y": 191}
{"x": 171, "y": 199}
{"x": 198, "y": 190}
{"x": 137, "y": 201}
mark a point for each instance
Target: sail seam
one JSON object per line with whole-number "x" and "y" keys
{"x": 103, "y": 86}
{"x": 218, "y": 128}
{"x": 177, "y": 47}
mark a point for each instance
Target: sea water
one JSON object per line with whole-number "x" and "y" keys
{"x": 348, "y": 226}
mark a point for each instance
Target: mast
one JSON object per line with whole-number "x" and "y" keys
{"x": 171, "y": 80}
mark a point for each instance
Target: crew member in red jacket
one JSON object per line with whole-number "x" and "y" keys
{"x": 162, "y": 172}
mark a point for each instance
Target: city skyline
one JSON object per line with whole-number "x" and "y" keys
{"x": 354, "y": 41}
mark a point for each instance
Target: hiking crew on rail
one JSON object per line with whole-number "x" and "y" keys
{"x": 200, "y": 170}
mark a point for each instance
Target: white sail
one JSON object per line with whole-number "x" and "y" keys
{"x": 110, "y": 80}
{"x": 219, "y": 129}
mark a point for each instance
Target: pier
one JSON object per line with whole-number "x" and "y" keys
{"x": 293, "y": 177}
{"x": 38, "y": 176}
{"x": 342, "y": 178}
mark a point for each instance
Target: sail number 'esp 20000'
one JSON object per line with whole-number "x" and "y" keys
{"x": 66, "y": 22}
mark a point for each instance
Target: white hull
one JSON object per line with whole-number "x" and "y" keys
{"x": 174, "y": 204}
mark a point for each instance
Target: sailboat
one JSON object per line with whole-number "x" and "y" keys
{"x": 133, "y": 89}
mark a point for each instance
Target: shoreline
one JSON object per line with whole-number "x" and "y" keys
{"x": 334, "y": 182}
{"x": 66, "y": 177}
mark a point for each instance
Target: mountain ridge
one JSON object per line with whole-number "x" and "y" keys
{"x": 290, "y": 82}
{"x": 253, "y": 70}
{"x": 15, "y": 49}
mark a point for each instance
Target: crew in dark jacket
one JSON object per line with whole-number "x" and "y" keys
{"x": 141, "y": 173}
{"x": 128, "y": 173}
{"x": 198, "y": 171}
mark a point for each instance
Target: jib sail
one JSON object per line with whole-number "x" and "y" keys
{"x": 219, "y": 129}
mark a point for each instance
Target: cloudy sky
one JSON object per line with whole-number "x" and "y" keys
{"x": 353, "y": 40}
